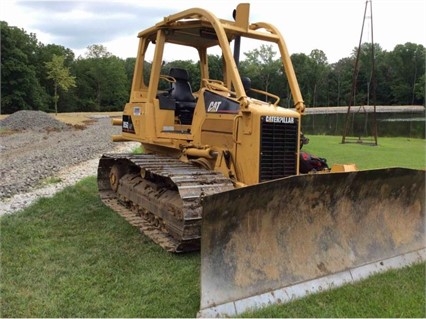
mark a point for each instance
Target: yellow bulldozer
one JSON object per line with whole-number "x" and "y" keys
{"x": 220, "y": 173}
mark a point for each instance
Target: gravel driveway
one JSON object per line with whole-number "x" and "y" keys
{"x": 44, "y": 147}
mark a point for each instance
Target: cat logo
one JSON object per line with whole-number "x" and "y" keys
{"x": 214, "y": 106}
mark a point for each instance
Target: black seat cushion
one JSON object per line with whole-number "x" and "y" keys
{"x": 181, "y": 89}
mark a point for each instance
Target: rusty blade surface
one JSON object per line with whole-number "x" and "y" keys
{"x": 306, "y": 230}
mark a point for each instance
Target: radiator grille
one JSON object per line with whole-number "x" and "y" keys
{"x": 278, "y": 149}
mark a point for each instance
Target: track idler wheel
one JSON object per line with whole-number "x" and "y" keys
{"x": 117, "y": 172}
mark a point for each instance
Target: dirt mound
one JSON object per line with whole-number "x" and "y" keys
{"x": 32, "y": 120}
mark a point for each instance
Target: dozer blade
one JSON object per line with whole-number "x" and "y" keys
{"x": 281, "y": 240}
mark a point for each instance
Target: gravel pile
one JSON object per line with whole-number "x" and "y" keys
{"x": 34, "y": 121}
{"x": 46, "y": 148}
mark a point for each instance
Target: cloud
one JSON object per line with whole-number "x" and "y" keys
{"x": 79, "y": 24}
{"x": 329, "y": 25}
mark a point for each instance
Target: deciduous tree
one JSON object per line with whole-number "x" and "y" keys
{"x": 60, "y": 75}
{"x": 20, "y": 87}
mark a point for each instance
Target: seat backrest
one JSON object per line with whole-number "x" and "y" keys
{"x": 182, "y": 90}
{"x": 246, "y": 83}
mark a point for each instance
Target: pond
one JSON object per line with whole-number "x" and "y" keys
{"x": 408, "y": 122}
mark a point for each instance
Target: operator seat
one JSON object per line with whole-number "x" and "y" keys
{"x": 246, "y": 83}
{"x": 181, "y": 91}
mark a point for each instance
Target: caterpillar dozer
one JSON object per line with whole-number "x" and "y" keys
{"x": 220, "y": 173}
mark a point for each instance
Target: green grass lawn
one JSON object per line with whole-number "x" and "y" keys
{"x": 70, "y": 256}
{"x": 390, "y": 152}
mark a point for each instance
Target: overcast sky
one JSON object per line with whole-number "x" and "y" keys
{"x": 333, "y": 26}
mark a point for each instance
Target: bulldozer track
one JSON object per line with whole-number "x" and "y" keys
{"x": 159, "y": 195}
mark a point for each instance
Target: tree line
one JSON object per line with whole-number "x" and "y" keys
{"x": 35, "y": 76}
